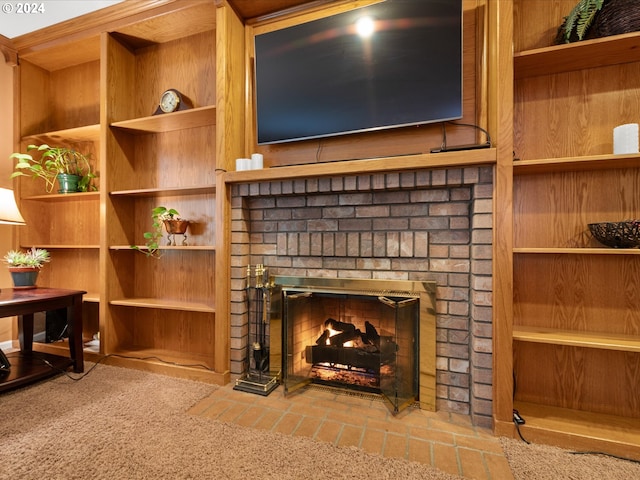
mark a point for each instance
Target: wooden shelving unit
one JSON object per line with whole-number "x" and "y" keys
{"x": 68, "y": 225}
{"x": 166, "y": 159}
{"x": 101, "y": 80}
{"x": 575, "y": 325}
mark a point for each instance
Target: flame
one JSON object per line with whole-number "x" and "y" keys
{"x": 333, "y": 332}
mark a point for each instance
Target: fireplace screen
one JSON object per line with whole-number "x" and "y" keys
{"x": 351, "y": 334}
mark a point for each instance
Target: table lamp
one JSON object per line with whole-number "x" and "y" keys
{"x": 9, "y": 215}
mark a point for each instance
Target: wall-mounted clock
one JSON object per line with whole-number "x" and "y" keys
{"x": 172, "y": 101}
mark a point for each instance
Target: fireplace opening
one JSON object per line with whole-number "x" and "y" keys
{"x": 361, "y": 335}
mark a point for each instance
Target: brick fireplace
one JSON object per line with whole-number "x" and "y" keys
{"x": 422, "y": 225}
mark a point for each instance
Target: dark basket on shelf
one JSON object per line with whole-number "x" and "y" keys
{"x": 617, "y": 234}
{"x": 614, "y": 18}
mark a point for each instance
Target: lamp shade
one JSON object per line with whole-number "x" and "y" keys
{"x": 9, "y": 213}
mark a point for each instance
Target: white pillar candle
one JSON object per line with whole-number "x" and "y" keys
{"x": 625, "y": 138}
{"x": 243, "y": 164}
{"x": 257, "y": 161}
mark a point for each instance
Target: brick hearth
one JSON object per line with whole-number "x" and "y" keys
{"x": 421, "y": 225}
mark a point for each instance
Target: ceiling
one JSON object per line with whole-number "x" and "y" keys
{"x": 20, "y": 23}
{"x": 15, "y": 22}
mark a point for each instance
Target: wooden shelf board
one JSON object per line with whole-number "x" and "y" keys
{"x": 626, "y": 343}
{"x": 56, "y": 246}
{"x": 175, "y": 364}
{"x": 173, "y": 357}
{"x": 88, "y": 133}
{"x": 580, "y": 430}
{"x": 164, "y": 26}
{"x": 91, "y": 297}
{"x": 577, "y": 251}
{"x": 159, "y": 192}
{"x": 613, "y": 50}
{"x": 85, "y": 50}
{"x": 195, "y": 117}
{"x": 164, "y": 304}
{"x": 567, "y": 164}
{"x": 64, "y": 197}
{"x": 371, "y": 165}
{"x": 166, "y": 247}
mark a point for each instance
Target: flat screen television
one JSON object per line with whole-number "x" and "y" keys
{"x": 324, "y": 78}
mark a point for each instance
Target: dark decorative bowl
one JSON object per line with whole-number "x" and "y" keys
{"x": 617, "y": 234}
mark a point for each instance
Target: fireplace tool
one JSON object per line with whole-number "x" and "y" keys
{"x": 256, "y": 378}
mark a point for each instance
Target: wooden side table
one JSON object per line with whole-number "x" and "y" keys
{"x": 28, "y": 366}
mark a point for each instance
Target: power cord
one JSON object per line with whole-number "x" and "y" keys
{"x": 518, "y": 420}
{"x": 445, "y": 148}
{"x": 105, "y": 357}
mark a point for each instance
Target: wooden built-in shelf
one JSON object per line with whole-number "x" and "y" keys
{"x": 568, "y": 164}
{"x": 168, "y": 122}
{"x": 91, "y": 297}
{"x": 88, "y": 133}
{"x": 572, "y": 338}
{"x": 577, "y": 251}
{"x": 570, "y": 57}
{"x": 164, "y": 25}
{"x": 164, "y": 304}
{"x": 581, "y": 430}
{"x": 57, "y": 57}
{"x": 164, "y": 192}
{"x": 166, "y": 247}
{"x": 58, "y": 246}
{"x": 165, "y": 356}
{"x": 369, "y": 165}
{"x": 64, "y": 197}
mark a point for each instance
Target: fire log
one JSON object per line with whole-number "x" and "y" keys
{"x": 338, "y": 326}
{"x": 351, "y": 357}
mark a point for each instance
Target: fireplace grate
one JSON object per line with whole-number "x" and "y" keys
{"x": 374, "y": 397}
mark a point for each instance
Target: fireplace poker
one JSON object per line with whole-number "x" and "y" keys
{"x": 258, "y": 351}
{"x": 263, "y": 334}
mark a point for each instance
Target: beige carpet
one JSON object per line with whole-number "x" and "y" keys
{"x": 124, "y": 424}
{"x": 119, "y": 423}
{"x": 543, "y": 462}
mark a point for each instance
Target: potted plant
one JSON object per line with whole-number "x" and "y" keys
{"x": 577, "y": 23}
{"x": 69, "y": 167}
{"x": 169, "y": 218}
{"x": 25, "y": 266}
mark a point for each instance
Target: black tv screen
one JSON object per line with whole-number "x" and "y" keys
{"x": 322, "y": 78}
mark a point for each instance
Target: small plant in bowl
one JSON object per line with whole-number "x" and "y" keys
{"x": 25, "y": 266}
{"x": 173, "y": 224}
{"x": 69, "y": 167}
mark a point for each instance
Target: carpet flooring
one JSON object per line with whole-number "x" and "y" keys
{"x": 118, "y": 423}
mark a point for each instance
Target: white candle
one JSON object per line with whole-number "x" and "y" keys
{"x": 625, "y": 138}
{"x": 243, "y": 164}
{"x": 257, "y": 161}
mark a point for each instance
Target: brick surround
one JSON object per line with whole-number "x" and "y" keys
{"x": 433, "y": 224}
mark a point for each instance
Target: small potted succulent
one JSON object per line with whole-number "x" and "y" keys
{"x": 173, "y": 224}
{"x": 69, "y": 167}
{"x": 25, "y": 266}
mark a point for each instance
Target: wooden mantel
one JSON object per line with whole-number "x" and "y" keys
{"x": 366, "y": 166}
